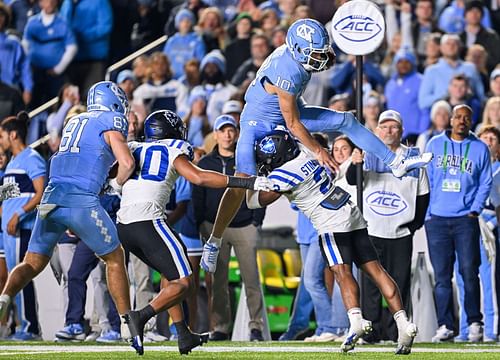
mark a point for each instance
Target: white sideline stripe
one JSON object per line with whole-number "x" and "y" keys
{"x": 39, "y": 349}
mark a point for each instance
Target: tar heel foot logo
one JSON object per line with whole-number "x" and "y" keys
{"x": 305, "y": 32}
{"x": 267, "y": 146}
{"x": 385, "y": 203}
{"x": 358, "y": 27}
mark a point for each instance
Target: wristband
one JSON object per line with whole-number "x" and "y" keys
{"x": 241, "y": 182}
{"x": 20, "y": 212}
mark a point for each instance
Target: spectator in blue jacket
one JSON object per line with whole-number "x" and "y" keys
{"x": 14, "y": 65}
{"x": 437, "y": 77}
{"x": 185, "y": 44}
{"x": 460, "y": 182}
{"x": 401, "y": 93}
{"x": 50, "y": 46}
{"x": 452, "y": 19}
{"x": 91, "y": 22}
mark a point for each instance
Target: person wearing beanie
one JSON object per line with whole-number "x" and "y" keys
{"x": 214, "y": 82}
{"x": 401, "y": 92}
{"x": 185, "y": 44}
{"x": 440, "y": 121}
{"x": 475, "y": 33}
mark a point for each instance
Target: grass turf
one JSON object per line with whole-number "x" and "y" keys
{"x": 263, "y": 351}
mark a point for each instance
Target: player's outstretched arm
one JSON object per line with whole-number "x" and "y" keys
{"x": 290, "y": 111}
{"x": 213, "y": 179}
{"x": 126, "y": 163}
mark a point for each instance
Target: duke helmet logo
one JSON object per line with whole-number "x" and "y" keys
{"x": 357, "y": 28}
{"x": 305, "y": 32}
{"x": 385, "y": 203}
{"x": 267, "y": 146}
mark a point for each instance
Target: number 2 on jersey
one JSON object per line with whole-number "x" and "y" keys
{"x": 71, "y": 135}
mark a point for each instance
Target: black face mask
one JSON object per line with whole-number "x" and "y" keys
{"x": 213, "y": 79}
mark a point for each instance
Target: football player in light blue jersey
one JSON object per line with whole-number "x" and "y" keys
{"x": 274, "y": 99}
{"x": 90, "y": 144}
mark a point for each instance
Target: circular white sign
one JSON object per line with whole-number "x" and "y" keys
{"x": 358, "y": 27}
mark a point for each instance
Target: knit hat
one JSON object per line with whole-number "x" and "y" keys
{"x": 197, "y": 93}
{"x": 184, "y": 14}
{"x": 214, "y": 57}
{"x": 405, "y": 54}
{"x": 441, "y": 104}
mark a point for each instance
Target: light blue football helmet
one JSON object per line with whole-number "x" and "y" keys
{"x": 309, "y": 44}
{"x": 107, "y": 96}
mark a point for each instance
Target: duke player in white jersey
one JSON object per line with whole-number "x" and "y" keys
{"x": 142, "y": 224}
{"x": 342, "y": 230}
{"x": 275, "y": 98}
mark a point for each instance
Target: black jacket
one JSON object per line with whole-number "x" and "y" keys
{"x": 11, "y": 101}
{"x": 491, "y": 42}
{"x": 206, "y": 201}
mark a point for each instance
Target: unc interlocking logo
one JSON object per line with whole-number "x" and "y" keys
{"x": 305, "y": 32}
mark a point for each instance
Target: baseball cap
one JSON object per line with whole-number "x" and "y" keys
{"x": 390, "y": 115}
{"x": 224, "y": 120}
{"x": 232, "y": 106}
{"x": 495, "y": 73}
{"x": 125, "y": 75}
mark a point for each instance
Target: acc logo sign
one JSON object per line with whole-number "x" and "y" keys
{"x": 305, "y": 32}
{"x": 386, "y": 203}
{"x": 358, "y": 27}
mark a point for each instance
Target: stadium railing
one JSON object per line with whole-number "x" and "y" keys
{"x": 117, "y": 65}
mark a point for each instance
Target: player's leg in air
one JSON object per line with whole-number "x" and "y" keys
{"x": 154, "y": 242}
{"x": 319, "y": 119}
{"x": 340, "y": 249}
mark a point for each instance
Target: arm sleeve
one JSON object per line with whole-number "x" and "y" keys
{"x": 406, "y": 35}
{"x": 350, "y": 174}
{"x": 25, "y": 70}
{"x": 55, "y": 121}
{"x": 69, "y": 54}
{"x": 421, "y": 205}
{"x": 37, "y": 166}
{"x": 391, "y": 22}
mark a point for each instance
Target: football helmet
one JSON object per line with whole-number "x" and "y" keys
{"x": 308, "y": 42}
{"x": 164, "y": 124}
{"x": 107, "y": 96}
{"x": 274, "y": 150}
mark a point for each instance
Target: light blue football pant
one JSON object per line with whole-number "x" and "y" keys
{"x": 315, "y": 119}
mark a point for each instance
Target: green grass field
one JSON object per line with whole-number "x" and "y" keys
{"x": 242, "y": 350}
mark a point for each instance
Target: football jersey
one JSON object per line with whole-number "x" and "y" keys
{"x": 307, "y": 185}
{"x": 80, "y": 167}
{"x": 146, "y": 194}
{"x": 279, "y": 69}
{"x": 22, "y": 169}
